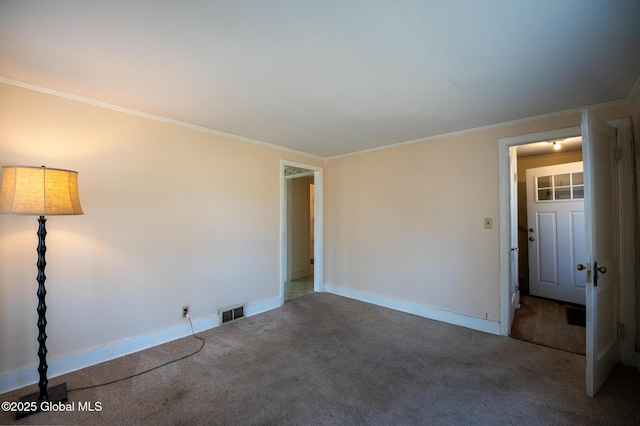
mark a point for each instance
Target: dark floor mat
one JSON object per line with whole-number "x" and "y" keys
{"x": 576, "y": 317}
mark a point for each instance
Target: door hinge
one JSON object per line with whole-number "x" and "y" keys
{"x": 620, "y": 330}
{"x": 618, "y": 153}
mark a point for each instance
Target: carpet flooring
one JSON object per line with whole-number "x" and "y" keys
{"x": 323, "y": 359}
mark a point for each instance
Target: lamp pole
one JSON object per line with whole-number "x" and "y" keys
{"x": 42, "y": 310}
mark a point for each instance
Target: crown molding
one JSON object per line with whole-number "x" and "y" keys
{"x": 130, "y": 111}
{"x": 11, "y": 82}
{"x": 634, "y": 90}
{"x": 483, "y": 128}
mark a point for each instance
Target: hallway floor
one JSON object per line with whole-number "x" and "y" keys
{"x": 544, "y": 322}
{"x": 298, "y": 287}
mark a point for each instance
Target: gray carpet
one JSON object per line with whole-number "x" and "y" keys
{"x": 323, "y": 359}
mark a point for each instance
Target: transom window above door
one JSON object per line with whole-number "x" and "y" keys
{"x": 562, "y": 187}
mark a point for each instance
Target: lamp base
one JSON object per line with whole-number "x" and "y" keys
{"x": 57, "y": 395}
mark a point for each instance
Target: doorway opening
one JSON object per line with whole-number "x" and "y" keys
{"x": 300, "y": 262}
{"x": 301, "y": 230}
{"x": 550, "y": 217}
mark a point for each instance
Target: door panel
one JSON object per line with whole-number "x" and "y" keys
{"x": 602, "y": 289}
{"x": 547, "y": 248}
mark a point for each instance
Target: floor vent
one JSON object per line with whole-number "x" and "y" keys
{"x": 231, "y": 313}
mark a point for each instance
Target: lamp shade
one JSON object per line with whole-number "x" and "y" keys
{"x": 39, "y": 191}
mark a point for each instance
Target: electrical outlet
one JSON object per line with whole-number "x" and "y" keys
{"x": 185, "y": 311}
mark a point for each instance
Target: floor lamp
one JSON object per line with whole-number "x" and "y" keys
{"x": 40, "y": 191}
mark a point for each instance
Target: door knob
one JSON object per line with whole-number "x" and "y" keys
{"x": 580, "y": 266}
{"x": 532, "y": 238}
{"x": 602, "y": 269}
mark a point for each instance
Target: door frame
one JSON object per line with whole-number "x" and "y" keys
{"x": 318, "y": 226}
{"x": 627, "y": 221}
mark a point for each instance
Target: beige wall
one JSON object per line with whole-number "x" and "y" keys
{"x": 173, "y": 216}
{"x": 406, "y": 223}
{"x": 525, "y": 163}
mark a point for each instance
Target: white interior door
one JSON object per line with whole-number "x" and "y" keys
{"x": 556, "y": 225}
{"x": 514, "y": 285}
{"x": 602, "y": 267}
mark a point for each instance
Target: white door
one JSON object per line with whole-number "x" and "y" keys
{"x": 556, "y": 230}
{"x": 602, "y": 263}
{"x": 514, "y": 285}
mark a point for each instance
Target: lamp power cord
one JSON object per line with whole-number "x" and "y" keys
{"x": 151, "y": 369}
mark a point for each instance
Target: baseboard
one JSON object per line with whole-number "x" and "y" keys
{"x": 258, "y": 308}
{"x": 29, "y": 375}
{"x": 473, "y": 323}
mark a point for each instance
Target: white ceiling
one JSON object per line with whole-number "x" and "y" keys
{"x": 328, "y": 77}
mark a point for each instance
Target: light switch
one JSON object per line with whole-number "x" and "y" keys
{"x": 488, "y": 223}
